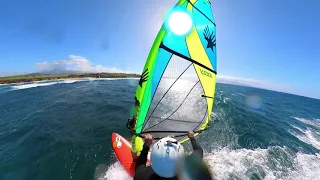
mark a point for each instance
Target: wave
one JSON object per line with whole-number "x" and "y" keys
{"x": 4, "y": 88}
{"x": 225, "y": 99}
{"x": 308, "y": 136}
{"x": 67, "y": 81}
{"x": 115, "y": 172}
{"x": 44, "y": 83}
{"x": 33, "y": 85}
{"x": 314, "y": 122}
{"x": 271, "y": 163}
{"x": 101, "y": 79}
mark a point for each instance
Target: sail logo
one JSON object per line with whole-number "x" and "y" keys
{"x": 117, "y": 143}
{"x": 210, "y": 37}
{"x": 144, "y": 77}
{"x": 137, "y": 102}
{"x": 203, "y": 72}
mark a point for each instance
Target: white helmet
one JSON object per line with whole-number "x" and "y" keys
{"x": 164, "y": 156}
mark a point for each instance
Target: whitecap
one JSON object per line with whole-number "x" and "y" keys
{"x": 270, "y": 164}
{"x": 308, "y": 136}
{"x": 115, "y": 172}
{"x": 314, "y": 122}
{"x": 225, "y": 99}
{"x": 33, "y": 85}
{"x": 69, "y": 81}
{"x": 49, "y": 83}
{"x": 246, "y": 164}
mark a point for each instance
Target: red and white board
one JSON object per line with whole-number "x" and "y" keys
{"x": 122, "y": 149}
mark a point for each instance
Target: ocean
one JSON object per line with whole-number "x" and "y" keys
{"x": 62, "y": 130}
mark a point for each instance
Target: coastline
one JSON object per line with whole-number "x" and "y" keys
{"x": 18, "y": 80}
{"x": 38, "y": 81}
{"x": 63, "y": 79}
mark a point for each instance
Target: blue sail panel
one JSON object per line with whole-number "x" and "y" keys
{"x": 175, "y": 42}
{"x": 207, "y": 32}
{"x": 205, "y": 7}
{"x": 161, "y": 63}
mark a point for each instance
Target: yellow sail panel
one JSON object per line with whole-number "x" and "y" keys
{"x": 196, "y": 49}
{"x": 208, "y": 82}
{"x": 189, "y": 7}
{"x": 207, "y": 78}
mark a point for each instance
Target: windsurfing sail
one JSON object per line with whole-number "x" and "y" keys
{"x": 175, "y": 93}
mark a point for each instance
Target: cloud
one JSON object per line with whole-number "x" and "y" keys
{"x": 76, "y": 64}
{"x": 255, "y": 83}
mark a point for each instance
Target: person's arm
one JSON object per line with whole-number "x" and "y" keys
{"x": 195, "y": 145}
{"x": 142, "y": 159}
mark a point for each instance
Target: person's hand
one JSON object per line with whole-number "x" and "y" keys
{"x": 148, "y": 139}
{"x": 191, "y": 134}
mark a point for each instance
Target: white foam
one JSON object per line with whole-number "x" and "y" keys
{"x": 226, "y": 99}
{"x": 69, "y": 81}
{"x": 314, "y": 122}
{"x": 44, "y": 83}
{"x": 26, "y": 86}
{"x": 225, "y": 162}
{"x": 116, "y": 172}
{"x": 307, "y": 166}
{"x": 66, "y": 81}
{"x": 308, "y": 136}
{"x": 243, "y": 163}
{"x": 101, "y": 79}
{"x": 296, "y": 127}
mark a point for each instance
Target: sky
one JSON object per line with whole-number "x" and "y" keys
{"x": 270, "y": 44}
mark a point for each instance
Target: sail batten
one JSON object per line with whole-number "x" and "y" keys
{"x": 186, "y": 58}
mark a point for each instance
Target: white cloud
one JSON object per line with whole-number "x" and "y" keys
{"x": 255, "y": 83}
{"x": 77, "y": 64}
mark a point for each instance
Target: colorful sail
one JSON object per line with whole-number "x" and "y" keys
{"x": 176, "y": 90}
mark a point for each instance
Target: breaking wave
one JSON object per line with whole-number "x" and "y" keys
{"x": 270, "y": 164}
{"x": 115, "y": 172}
{"x": 309, "y": 136}
{"x": 67, "y": 81}
{"x": 27, "y": 86}
{"x": 314, "y": 122}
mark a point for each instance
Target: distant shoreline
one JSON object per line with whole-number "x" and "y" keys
{"x": 18, "y": 80}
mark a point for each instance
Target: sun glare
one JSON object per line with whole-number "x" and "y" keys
{"x": 180, "y": 23}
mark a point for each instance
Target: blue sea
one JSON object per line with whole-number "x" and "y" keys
{"x": 62, "y": 130}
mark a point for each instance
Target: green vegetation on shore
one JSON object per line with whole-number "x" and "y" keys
{"x": 43, "y": 77}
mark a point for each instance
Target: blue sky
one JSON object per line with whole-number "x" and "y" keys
{"x": 273, "y": 44}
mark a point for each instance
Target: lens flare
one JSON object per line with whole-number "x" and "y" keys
{"x": 253, "y": 101}
{"x": 180, "y": 23}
